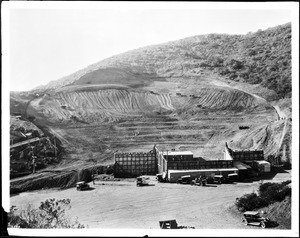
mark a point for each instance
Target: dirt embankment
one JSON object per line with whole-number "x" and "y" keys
{"x": 54, "y": 178}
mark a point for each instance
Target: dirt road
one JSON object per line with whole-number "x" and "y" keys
{"x": 121, "y": 204}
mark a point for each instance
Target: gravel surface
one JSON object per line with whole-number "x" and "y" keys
{"x": 121, "y": 204}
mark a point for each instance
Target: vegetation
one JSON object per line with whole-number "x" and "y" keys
{"x": 47, "y": 150}
{"x": 268, "y": 193}
{"x": 263, "y": 58}
{"x": 50, "y": 214}
{"x": 281, "y": 213}
{"x": 21, "y": 157}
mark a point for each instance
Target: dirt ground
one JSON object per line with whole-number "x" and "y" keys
{"x": 121, "y": 204}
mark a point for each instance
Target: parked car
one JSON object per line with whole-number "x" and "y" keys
{"x": 168, "y": 224}
{"x": 142, "y": 181}
{"x": 254, "y": 218}
{"x": 186, "y": 179}
{"x": 219, "y": 179}
{"x": 201, "y": 181}
{"x": 82, "y": 185}
{"x": 231, "y": 178}
{"x": 161, "y": 177}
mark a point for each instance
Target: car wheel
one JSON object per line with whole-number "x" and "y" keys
{"x": 263, "y": 225}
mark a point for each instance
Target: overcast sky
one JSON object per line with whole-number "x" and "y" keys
{"x": 47, "y": 44}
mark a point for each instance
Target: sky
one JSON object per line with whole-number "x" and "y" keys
{"x": 46, "y": 44}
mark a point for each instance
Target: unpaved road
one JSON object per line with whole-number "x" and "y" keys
{"x": 120, "y": 204}
{"x": 280, "y": 113}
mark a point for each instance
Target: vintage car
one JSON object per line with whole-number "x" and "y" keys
{"x": 231, "y": 178}
{"x": 219, "y": 179}
{"x": 254, "y": 218}
{"x": 201, "y": 181}
{"x": 82, "y": 185}
{"x": 168, "y": 224}
{"x": 186, "y": 179}
{"x": 161, "y": 177}
{"x": 142, "y": 181}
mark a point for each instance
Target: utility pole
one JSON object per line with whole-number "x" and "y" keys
{"x": 33, "y": 164}
{"x": 55, "y": 148}
{"x": 33, "y": 160}
{"x": 94, "y": 171}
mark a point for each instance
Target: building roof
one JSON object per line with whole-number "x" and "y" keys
{"x": 262, "y": 162}
{"x": 177, "y": 153}
{"x": 241, "y": 166}
{"x": 251, "y": 213}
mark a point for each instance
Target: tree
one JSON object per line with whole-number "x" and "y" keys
{"x": 50, "y": 214}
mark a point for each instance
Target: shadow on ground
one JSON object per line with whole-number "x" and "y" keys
{"x": 87, "y": 189}
{"x": 272, "y": 224}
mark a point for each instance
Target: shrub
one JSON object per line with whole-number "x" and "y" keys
{"x": 85, "y": 175}
{"x": 273, "y": 192}
{"x": 268, "y": 193}
{"x": 50, "y": 214}
{"x": 249, "y": 202}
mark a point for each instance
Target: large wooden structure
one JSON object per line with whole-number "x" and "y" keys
{"x": 135, "y": 164}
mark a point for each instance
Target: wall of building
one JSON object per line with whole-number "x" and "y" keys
{"x": 181, "y": 157}
{"x": 248, "y": 155}
{"x": 199, "y": 164}
{"x": 174, "y": 175}
{"x": 184, "y": 162}
{"x": 135, "y": 164}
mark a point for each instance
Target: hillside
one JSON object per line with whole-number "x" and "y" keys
{"x": 263, "y": 57}
{"x": 192, "y": 94}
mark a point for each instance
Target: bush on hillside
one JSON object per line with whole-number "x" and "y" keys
{"x": 50, "y": 214}
{"x": 249, "y": 202}
{"x": 268, "y": 193}
{"x": 273, "y": 192}
{"x": 85, "y": 175}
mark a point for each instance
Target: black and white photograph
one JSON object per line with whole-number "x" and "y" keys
{"x": 150, "y": 118}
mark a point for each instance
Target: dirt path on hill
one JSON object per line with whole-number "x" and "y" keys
{"x": 280, "y": 114}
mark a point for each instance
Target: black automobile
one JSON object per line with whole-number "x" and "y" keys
{"x": 142, "y": 181}
{"x": 186, "y": 179}
{"x": 219, "y": 179}
{"x": 160, "y": 178}
{"x": 254, "y": 218}
{"x": 231, "y": 178}
{"x": 82, "y": 185}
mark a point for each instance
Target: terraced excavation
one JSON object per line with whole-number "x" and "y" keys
{"x": 111, "y": 117}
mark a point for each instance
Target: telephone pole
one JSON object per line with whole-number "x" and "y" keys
{"x": 55, "y": 148}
